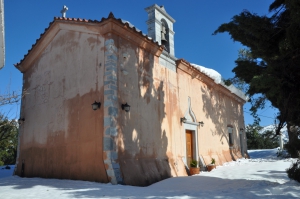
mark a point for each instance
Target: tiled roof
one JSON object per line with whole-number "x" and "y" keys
{"x": 110, "y": 16}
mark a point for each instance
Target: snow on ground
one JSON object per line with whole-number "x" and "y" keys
{"x": 262, "y": 176}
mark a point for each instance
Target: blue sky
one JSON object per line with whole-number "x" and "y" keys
{"x": 196, "y": 20}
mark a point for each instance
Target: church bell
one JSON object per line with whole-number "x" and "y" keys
{"x": 163, "y": 34}
{"x": 163, "y": 38}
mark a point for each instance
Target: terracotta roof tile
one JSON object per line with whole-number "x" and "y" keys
{"x": 110, "y": 16}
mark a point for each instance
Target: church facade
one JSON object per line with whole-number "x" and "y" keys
{"x": 105, "y": 102}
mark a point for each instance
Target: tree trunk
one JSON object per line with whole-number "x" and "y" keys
{"x": 293, "y": 141}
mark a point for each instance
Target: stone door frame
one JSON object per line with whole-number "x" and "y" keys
{"x": 192, "y": 125}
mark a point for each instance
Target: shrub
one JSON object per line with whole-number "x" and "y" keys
{"x": 194, "y": 163}
{"x": 294, "y": 171}
{"x": 213, "y": 161}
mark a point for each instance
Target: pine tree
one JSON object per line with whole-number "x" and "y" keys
{"x": 270, "y": 64}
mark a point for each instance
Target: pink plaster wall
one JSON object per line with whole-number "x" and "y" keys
{"x": 62, "y": 135}
{"x": 152, "y": 131}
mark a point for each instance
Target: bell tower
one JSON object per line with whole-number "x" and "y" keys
{"x": 160, "y": 28}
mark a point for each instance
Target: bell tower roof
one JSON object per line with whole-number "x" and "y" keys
{"x": 160, "y": 9}
{"x": 160, "y": 27}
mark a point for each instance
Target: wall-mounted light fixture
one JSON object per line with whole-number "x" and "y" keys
{"x": 183, "y": 120}
{"x": 125, "y": 55}
{"x": 124, "y": 72}
{"x": 201, "y": 123}
{"x": 96, "y": 105}
{"x": 242, "y": 129}
{"x": 20, "y": 121}
{"x": 125, "y": 107}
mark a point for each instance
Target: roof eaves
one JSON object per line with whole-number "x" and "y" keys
{"x": 189, "y": 65}
{"x": 110, "y": 16}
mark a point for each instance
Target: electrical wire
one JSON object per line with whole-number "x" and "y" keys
{"x": 261, "y": 115}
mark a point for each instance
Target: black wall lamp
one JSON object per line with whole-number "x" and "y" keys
{"x": 183, "y": 120}
{"x": 201, "y": 123}
{"x": 20, "y": 121}
{"x": 242, "y": 129}
{"x": 96, "y": 105}
{"x": 125, "y": 107}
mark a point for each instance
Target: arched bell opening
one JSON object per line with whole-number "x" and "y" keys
{"x": 165, "y": 35}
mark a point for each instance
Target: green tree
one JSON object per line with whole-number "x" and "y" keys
{"x": 270, "y": 64}
{"x": 8, "y": 129}
{"x": 270, "y": 139}
{"x": 8, "y": 140}
{"x": 256, "y": 139}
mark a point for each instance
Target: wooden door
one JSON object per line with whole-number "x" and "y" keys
{"x": 189, "y": 147}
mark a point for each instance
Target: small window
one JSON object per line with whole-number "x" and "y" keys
{"x": 241, "y": 143}
{"x": 230, "y": 138}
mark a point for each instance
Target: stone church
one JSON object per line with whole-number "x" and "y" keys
{"x": 105, "y": 102}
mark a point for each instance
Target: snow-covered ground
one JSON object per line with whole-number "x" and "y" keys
{"x": 262, "y": 176}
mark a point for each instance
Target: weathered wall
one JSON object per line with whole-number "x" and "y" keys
{"x": 62, "y": 136}
{"x": 143, "y": 143}
{"x": 217, "y": 110}
{"x": 151, "y": 139}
